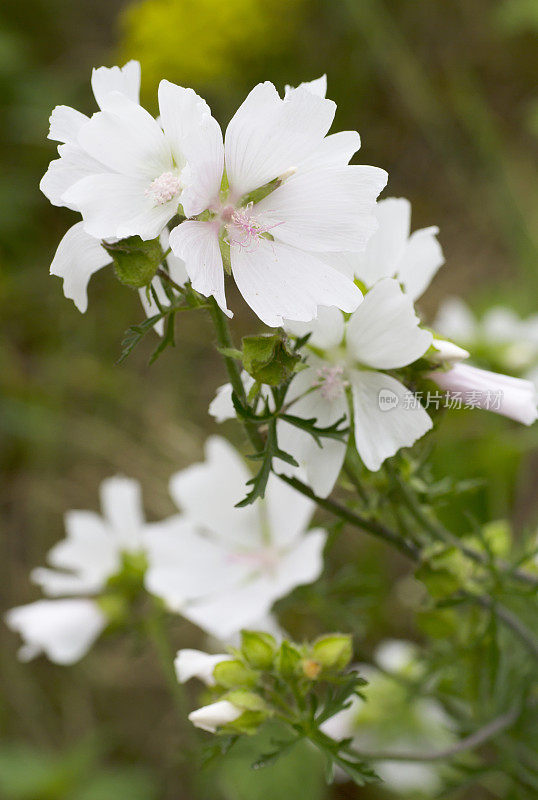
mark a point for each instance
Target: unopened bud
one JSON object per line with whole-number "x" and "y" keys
{"x": 258, "y": 648}
{"x": 311, "y": 668}
{"x": 334, "y": 651}
{"x": 231, "y": 674}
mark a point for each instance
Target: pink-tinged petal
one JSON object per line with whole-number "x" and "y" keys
{"x": 512, "y": 397}
{"x": 65, "y": 124}
{"x": 387, "y": 417}
{"x": 288, "y": 513}
{"x": 386, "y": 247}
{"x": 125, "y": 80}
{"x": 62, "y": 629}
{"x": 268, "y": 135}
{"x": 280, "y": 282}
{"x": 329, "y": 209}
{"x": 202, "y": 177}
{"x": 197, "y": 244}
{"x": 421, "y": 259}
{"x": 384, "y": 332}
{"x": 127, "y": 139}
{"x": 77, "y": 258}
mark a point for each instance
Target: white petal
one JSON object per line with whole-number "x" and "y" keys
{"x": 202, "y": 177}
{"x": 197, "y": 244}
{"x": 222, "y": 477}
{"x": 127, "y": 139}
{"x": 512, "y": 397}
{"x": 150, "y": 306}
{"x": 329, "y": 209}
{"x": 114, "y": 206}
{"x": 387, "y": 245}
{"x": 77, "y": 258}
{"x": 221, "y": 407}
{"x": 65, "y": 124}
{"x": 448, "y": 351}
{"x": 182, "y": 113}
{"x": 197, "y": 664}
{"x": 420, "y": 261}
{"x": 394, "y": 655}
{"x": 280, "y": 282}
{"x": 384, "y": 331}
{"x": 62, "y": 173}
{"x": 381, "y": 431}
{"x": 185, "y": 564}
{"x": 267, "y": 135}
{"x": 302, "y": 564}
{"x": 502, "y": 325}
{"x": 456, "y": 321}
{"x": 125, "y": 80}
{"x": 327, "y": 330}
{"x": 213, "y": 716}
{"x": 335, "y": 150}
{"x": 288, "y": 512}
{"x": 318, "y": 86}
{"x": 62, "y": 629}
{"x": 121, "y": 502}
{"x": 62, "y": 584}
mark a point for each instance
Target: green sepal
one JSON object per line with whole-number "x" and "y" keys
{"x": 268, "y": 358}
{"x": 135, "y": 261}
{"x": 231, "y": 674}
{"x": 258, "y": 649}
{"x": 333, "y": 651}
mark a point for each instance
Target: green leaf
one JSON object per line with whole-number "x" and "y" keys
{"x": 270, "y": 451}
{"x": 333, "y": 431}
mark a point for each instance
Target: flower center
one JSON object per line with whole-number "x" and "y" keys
{"x": 265, "y": 559}
{"x": 330, "y": 381}
{"x": 164, "y": 188}
{"x": 244, "y": 230}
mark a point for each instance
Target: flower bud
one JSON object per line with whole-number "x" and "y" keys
{"x": 196, "y": 664}
{"x": 268, "y": 359}
{"x": 311, "y": 668}
{"x": 215, "y": 715}
{"x": 288, "y": 659}
{"x": 334, "y": 651}
{"x": 230, "y": 674}
{"x": 135, "y": 261}
{"x": 258, "y": 648}
{"x": 447, "y": 352}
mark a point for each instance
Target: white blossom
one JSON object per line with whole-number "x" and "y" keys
{"x": 197, "y": 664}
{"x": 81, "y": 564}
{"x": 213, "y": 716}
{"x": 223, "y": 567}
{"x": 383, "y": 334}
{"x": 277, "y": 243}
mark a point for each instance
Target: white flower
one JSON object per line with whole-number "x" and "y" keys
{"x": 223, "y": 567}
{"x": 215, "y": 715}
{"x": 62, "y": 629}
{"x": 507, "y": 340}
{"x": 512, "y": 397}
{"x": 382, "y": 334}
{"x": 137, "y": 188}
{"x": 277, "y": 243}
{"x": 448, "y": 352}
{"x": 392, "y": 252}
{"x": 197, "y": 664}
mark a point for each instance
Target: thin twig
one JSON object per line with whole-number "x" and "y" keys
{"x": 476, "y": 739}
{"x": 507, "y": 617}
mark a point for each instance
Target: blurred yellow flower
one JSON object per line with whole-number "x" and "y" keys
{"x": 202, "y": 41}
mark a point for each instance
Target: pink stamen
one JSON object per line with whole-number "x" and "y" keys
{"x": 264, "y": 560}
{"x": 244, "y": 230}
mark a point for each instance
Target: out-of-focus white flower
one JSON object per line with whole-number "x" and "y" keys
{"x": 512, "y": 397}
{"x": 197, "y": 664}
{"x": 277, "y": 239}
{"x": 62, "y": 629}
{"x": 393, "y": 252}
{"x": 391, "y": 719}
{"x": 223, "y": 567}
{"x": 382, "y": 334}
{"x": 500, "y": 337}
{"x": 215, "y": 715}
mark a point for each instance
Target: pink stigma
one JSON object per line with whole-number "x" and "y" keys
{"x": 331, "y": 382}
{"x": 164, "y": 188}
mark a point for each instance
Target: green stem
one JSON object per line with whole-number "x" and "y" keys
{"x": 158, "y": 636}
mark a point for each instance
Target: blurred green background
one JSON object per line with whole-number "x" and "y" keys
{"x": 444, "y": 97}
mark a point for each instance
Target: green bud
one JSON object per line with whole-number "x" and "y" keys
{"x": 268, "y": 358}
{"x": 334, "y": 651}
{"x": 248, "y": 723}
{"x": 135, "y": 261}
{"x": 258, "y": 649}
{"x": 288, "y": 660}
{"x": 230, "y": 674}
{"x": 248, "y": 701}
